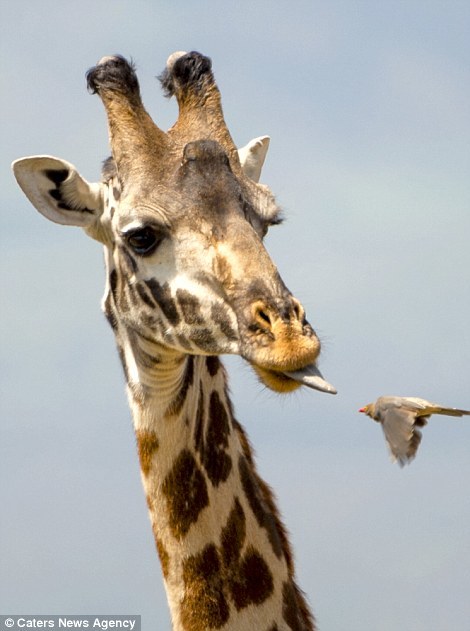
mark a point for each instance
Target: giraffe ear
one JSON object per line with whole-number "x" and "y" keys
{"x": 58, "y": 191}
{"x": 252, "y": 156}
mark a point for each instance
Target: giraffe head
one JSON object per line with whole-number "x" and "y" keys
{"x": 182, "y": 221}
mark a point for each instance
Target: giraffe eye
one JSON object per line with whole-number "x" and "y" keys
{"x": 144, "y": 241}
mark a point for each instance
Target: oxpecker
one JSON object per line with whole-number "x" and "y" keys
{"x": 400, "y": 417}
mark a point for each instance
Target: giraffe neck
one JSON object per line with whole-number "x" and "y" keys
{"x": 224, "y": 553}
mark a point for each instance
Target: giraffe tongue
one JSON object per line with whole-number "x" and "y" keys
{"x": 311, "y": 377}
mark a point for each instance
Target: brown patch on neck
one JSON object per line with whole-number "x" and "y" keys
{"x": 213, "y": 365}
{"x": 249, "y": 578}
{"x": 185, "y": 490}
{"x": 204, "y": 605}
{"x": 147, "y": 445}
{"x": 200, "y": 419}
{"x": 261, "y": 502}
{"x": 233, "y": 535}
{"x": 252, "y": 583}
{"x": 294, "y": 609}
{"x": 164, "y": 557}
{"x": 213, "y": 447}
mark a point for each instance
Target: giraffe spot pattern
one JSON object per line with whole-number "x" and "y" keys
{"x": 109, "y": 312}
{"x": 290, "y": 608}
{"x": 204, "y": 605}
{"x": 119, "y": 286}
{"x": 220, "y": 316}
{"x": 183, "y": 342}
{"x": 204, "y": 339}
{"x": 199, "y": 421}
{"x": 253, "y": 582}
{"x": 128, "y": 260}
{"x": 249, "y": 578}
{"x": 233, "y": 535}
{"x": 164, "y": 557}
{"x": 213, "y": 365}
{"x": 212, "y": 448}
{"x": 147, "y": 445}
{"x": 215, "y": 576}
{"x": 113, "y": 279}
{"x": 117, "y": 292}
{"x": 257, "y": 495}
{"x": 186, "y": 494}
{"x": 144, "y": 296}
{"x": 162, "y": 296}
{"x": 190, "y": 307}
{"x": 251, "y": 481}
{"x": 150, "y": 321}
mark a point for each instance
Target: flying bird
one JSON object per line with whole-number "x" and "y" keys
{"x": 400, "y": 417}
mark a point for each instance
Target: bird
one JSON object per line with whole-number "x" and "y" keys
{"x": 400, "y": 417}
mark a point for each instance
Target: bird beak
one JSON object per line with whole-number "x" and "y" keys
{"x": 364, "y": 410}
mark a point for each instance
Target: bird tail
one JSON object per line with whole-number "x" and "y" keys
{"x": 447, "y": 411}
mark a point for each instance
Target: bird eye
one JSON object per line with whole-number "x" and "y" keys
{"x": 144, "y": 241}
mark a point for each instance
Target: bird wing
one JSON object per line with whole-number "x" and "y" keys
{"x": 402, "y": 437}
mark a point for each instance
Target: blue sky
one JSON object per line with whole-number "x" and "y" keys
{"x": 367, "y": 106}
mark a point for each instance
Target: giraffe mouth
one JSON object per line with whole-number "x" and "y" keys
{"x": 288, "y": 381}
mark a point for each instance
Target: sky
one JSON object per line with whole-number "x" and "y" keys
{"x": 367, "y": 106}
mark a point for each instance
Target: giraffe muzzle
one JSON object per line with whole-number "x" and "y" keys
{"x": 286, "y": 356}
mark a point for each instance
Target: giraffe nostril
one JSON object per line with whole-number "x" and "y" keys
{"x": 263, "y": 316}
{"x": 298, "y": 311}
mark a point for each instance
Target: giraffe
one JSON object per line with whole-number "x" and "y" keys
{"x": 182, "y": 221}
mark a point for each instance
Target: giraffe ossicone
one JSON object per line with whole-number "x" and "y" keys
{"x": 182, "y": 218}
